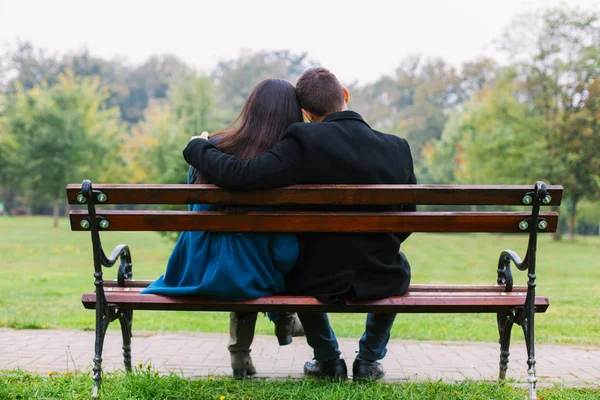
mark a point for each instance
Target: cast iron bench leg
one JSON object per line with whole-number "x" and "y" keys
{"x": 102, "y": 322}
{"x": 529, "y": 341}
{"x": 126, "y": 320}
{"x": 505, "y": 324}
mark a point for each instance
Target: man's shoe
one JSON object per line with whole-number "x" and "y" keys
{"x": 288, "y": 326}
{"x": 365, "y": 370}
{"x": 332, "y": 369}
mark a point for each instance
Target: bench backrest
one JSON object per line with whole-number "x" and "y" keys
{"x": 279, "y": 220}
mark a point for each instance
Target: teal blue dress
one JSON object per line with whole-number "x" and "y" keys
{"x": 227, "y": 266}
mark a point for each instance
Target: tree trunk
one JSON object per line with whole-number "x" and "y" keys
{"x": 55, "y": 212}
{"x": 572, "y": 219}
{"x": 558, "y": 234}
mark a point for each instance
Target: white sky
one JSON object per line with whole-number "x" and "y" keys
{"x": 357, "y": 40}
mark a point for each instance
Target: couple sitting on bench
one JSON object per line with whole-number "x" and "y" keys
{"x": 269, "y": 146}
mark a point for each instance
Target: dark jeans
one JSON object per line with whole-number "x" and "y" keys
{"x": 372, "y": 345}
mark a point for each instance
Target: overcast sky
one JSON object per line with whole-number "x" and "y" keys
{"x": 357, "y": 40}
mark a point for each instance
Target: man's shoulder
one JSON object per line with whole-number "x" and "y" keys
{"x": 392, "y": 139}
{"x": 303, "y": 130}
{"x": 298, "y": 126}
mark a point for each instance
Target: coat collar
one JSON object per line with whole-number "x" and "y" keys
{"x": 340, "y": 115}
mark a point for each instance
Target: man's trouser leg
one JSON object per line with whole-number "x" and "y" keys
{"x": 372, "y": 345}
{"x": 320, "y": 336}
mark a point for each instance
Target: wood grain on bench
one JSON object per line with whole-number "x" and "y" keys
{"x": 293, "y": 221}
{"x": 411, "y": 302}
{"x": 319, "y": 194}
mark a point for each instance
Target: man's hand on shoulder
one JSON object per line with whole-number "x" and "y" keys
{"x": 194, "y": 148}
{"x": 204, "y": 136}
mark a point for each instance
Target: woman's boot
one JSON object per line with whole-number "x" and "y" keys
{"x": 241, "y": 334}
{"x": 287, "y": 326}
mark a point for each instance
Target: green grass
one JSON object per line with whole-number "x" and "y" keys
{"x": 44, "y": 272}
{"x": 147, "y": 385}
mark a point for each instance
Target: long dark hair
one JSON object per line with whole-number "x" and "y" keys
{"x": 270, "y": 109}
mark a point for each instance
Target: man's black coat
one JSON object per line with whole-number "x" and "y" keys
{"x": 342, "y": 149}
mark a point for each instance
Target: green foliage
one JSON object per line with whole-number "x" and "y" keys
{"x": 28, "y": 67}
{"x": 495, "y": 139}
{"x": 149, "y": 81}
{"x": 60, "y": 134}
{"x": 415, "y": 104}
{"x": 445, "y": 158}
{"x": 237, "y": 77}
{"x": 193, "y": 101}
{"x": 155, "y": 145}
{"x": 540, "y": 119}
{"x": 11, "y": 165}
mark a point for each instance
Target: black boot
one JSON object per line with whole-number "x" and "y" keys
{"x": 286, "y": 327}
{"x": 331, "y": 369}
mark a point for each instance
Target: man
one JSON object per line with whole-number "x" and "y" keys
{"x": 337, "y": 147}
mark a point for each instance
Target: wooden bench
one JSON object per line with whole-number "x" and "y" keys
{"x": 512, "y": 304}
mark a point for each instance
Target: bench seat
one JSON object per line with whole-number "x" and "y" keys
{"x": 419, "y": 299}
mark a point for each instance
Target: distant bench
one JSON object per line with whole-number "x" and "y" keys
{"x": 512, "y": 304}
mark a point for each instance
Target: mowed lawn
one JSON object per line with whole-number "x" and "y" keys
{"x": 143, "y": 384}
{"x": 44, "y": 271}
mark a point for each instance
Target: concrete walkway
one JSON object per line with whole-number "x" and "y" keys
{"x": 202, "y": 354}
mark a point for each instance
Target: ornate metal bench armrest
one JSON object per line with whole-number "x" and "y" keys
{"x": 123, "y": 253}
{"x": 505, "y": 276}
{"x": 535, "y": 198}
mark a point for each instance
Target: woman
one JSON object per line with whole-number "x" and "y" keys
{"x": 237, "y": 266}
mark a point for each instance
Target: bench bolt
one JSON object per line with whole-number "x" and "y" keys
{"x": 542, "y": 225}
{"x": 527, "y": 199}
{"x": 547, "y": 199}
{"x": 85, "y": 224}
{"x": 101, "y": 198}
{"x": 80, "y": 198}
{"x": 523, "y": 225}
{"x": 104, "y": 224}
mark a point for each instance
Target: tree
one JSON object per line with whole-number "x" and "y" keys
{"x": 539, "y": 120}
{"x": 193, "y": 101}
{"x": 111, "y": 73}
{"x": 28, "y": 66}
{"x": 557, "y": 56}
{"x": 11, "y": 166}
{"x": 154, "y": 148}
{"x": 237, "y": 77}
{"x": 63, "y": 134}
{"x": 149, "y": 81}
{"x": 445, "y": 158}
{"x": 414, "y": 104}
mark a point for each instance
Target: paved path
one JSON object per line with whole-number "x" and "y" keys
{"x": 202, "y": 354}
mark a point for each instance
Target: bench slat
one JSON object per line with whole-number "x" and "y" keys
{"x": 154, "y": 220}
{"x": 411, "y": 293}
{"x": 413, "y": 287}
{"x": 319, "y": 194}
{"x": 409, "y": 303}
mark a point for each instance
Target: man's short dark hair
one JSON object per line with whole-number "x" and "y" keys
{"x": 320, "y": 92}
